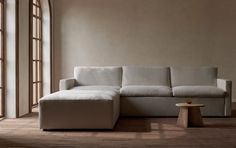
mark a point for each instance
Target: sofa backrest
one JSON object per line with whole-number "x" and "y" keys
{"x": 181, "y": 76}
{"x": 98, "y": 75}
{"x": 146, "y": 76}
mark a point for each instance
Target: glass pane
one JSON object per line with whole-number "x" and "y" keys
{"x": 34, "y": 10}
{"x": 34, "y": 71}
{"x": 34, "y": 49}
{"x": 1, "y": 45}
{"x": 39, "y": 71}
{"x": 34, "y": 27}
{"x": 1, "y": 15}
{"x": 39, "y": 91}
{"x": 34, "y": 1}
{"x": 34, "y": 93}
{"x": 38, "y": 11}
{"x": 1, "y": 105}
{"x": 39, "y": 50}
{"x": 1, "y": 72}
{"x": 38, "y": 28}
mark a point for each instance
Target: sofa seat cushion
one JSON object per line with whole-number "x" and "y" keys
{"x": 66, "y": 95}
{"x": 198, "y": 91}
{"x": 145, "y": 90}
{"x": 97, "y": 87}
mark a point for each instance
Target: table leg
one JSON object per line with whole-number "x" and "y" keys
{"x": 194, "y": 117}
{"x": 183, "y": 117}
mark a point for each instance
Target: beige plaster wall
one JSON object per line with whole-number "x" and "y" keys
{"x": 23, "y": 57}
{"x": 10, "y": 92}
{"x": 144, "y": 32}
{"x": 46, "y": 47}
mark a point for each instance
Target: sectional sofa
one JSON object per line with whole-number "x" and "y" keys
{"x": 96, "y": 96}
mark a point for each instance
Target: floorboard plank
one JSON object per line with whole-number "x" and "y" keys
{"x": 129, "y": 132}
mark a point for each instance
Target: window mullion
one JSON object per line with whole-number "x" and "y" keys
{"x": 36, "y": 50}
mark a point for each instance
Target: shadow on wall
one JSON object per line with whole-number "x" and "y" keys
{"x": 57, "y": 68}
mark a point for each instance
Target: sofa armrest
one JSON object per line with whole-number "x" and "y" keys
{"x": 226, "y": 85}
{"x": 66, "y": 84}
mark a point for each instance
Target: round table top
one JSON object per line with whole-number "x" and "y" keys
{"x": 189, "y": 105}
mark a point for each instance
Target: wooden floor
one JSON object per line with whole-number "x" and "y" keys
{"x": 129, "y": 132}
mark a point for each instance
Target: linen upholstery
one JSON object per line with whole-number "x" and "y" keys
{"x": 165, "y": 106}
{"x": 226, "y": 85}
{"x": 98, "y": 75}
{"x": 96, "y": 87}
{"x": 198, "y": 91}
{"x": 70, "y": 109}
{"x": 182, "y": 76}
{"x": 146, "y": 76}
{"x": 91, "y": 100}
{"x": 66, "y": 84}
{"x": 145, "y": 91}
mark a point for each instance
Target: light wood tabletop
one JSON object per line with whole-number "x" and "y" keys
{"x": 190, "y": 115}
{"x": 189, "y": 105}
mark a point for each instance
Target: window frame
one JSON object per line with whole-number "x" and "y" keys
{"x": 2, "y": 59}
{"x": 36, "y": 53}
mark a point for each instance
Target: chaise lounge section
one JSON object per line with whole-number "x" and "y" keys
{"x": 70, "y": 109}
{"x": 93, "y": 104}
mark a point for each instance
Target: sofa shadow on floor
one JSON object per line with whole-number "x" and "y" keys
{"x": 163, "y": 133}
{"x": 128, "y": 132}
{"x": 219, "y": 125}
{"x": 124, "y": 124}
{"x": 140, "y": 124}
{"x": 234, "y": 112}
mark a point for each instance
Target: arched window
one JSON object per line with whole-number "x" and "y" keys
{"x": 2, "y": 57}
{"x": 35, "y": 52}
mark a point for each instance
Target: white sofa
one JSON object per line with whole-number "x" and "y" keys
{"x": 146, "y": 91}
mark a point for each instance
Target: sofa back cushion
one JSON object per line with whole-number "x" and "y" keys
{"x": 98, "y": 76}
{"x": 184, "y": 76}
{"x": 146, "y": 76}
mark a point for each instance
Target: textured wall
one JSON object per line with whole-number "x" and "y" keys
{"x": 23, "y": 57}
{"x": 46, "y": 47}
{"x": 10, "y": 98}
{"x": 144, "y": 32}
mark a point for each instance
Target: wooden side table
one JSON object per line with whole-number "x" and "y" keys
{"x": 189, "y": 115}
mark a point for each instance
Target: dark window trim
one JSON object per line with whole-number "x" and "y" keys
{"x": 2, "y": 59}
{"x": 39, "y": 74}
